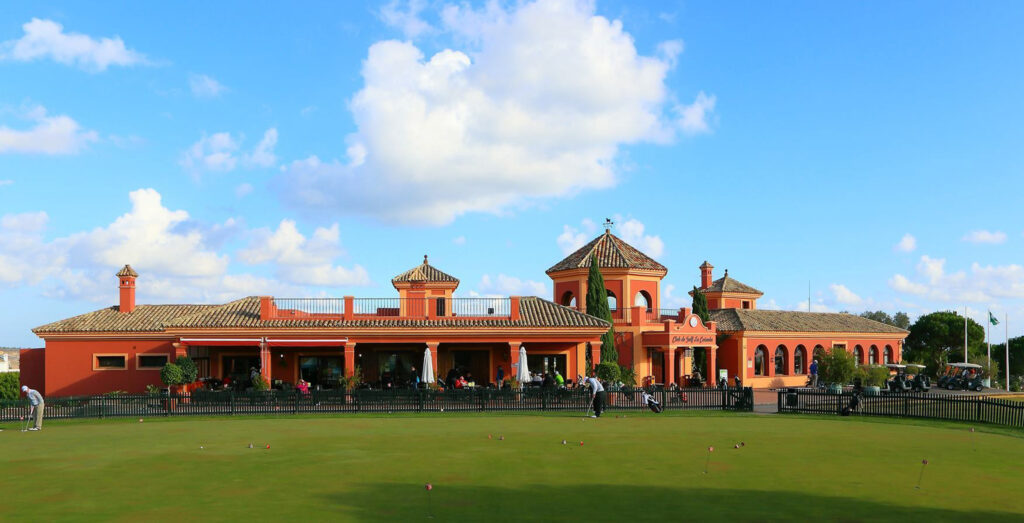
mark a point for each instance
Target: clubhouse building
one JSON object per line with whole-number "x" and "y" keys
{"x": 123, "y": 347}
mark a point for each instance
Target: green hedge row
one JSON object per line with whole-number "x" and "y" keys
{"x": 9, "y": 385}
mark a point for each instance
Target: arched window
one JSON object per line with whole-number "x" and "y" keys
{"x": 780, "y": 360}
{"x": 800, "y": 360}
{"x": 613, "y": 302}
{"x": 858, "y": 354}
{"x": 819, "y": 352}
{"x": 874, "y": 355}
{"x": 568, "y": 299}
{"x": 761, "y": 361}
{"x": 888, "y": 354}
{"x": 643, "y": 299}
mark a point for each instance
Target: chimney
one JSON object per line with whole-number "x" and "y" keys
{"x": 705, "y": 274}
{"x": 127, "y": 277}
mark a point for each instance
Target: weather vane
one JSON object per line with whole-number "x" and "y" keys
{"x": 608, "y": 224}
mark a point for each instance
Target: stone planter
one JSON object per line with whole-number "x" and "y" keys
{"x": 872, "y": 390}
{"x": 835, "y": 389}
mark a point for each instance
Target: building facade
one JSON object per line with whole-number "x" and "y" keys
{"x": 123, "y": 347}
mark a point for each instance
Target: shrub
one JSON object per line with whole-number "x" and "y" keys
{"x": 875, "y": 376}
{"x": 152, "y": 390}
{"x": 627, "y": 375}
{"x": 837, "y": 366}
{"x": 171, "y": 374}
{"x": 10, "y": 387}
{"x": 259, "y": 383}
{"x": 189, "y": 371}
{"x": 608, "y": 372}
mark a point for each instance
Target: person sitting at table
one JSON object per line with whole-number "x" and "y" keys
{"x": 461, "y": 382}
{"x": 469, "y": 379}
{"x": 559, "y": 380}
{"x": 547, "y": 382}
{"x": 537, "y": 379}
{"x": 303, "y": 386}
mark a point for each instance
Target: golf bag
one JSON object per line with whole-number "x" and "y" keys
{"x": 651, "y": 402}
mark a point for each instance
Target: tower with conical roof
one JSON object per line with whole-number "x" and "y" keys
{"x": 126, "y": 276}
{"x": 726, "y": 292}
{"x": 425, "y": 281}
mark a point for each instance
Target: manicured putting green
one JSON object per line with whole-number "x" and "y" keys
{"x": 638, "y": 468}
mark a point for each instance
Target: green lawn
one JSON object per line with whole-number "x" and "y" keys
{"x": 639, "y": 468}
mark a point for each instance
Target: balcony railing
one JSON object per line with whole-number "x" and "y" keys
{"x": 351, "y": 308}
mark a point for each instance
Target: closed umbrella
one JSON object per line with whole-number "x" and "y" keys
{"x": 428, "y": 367}
{"x": 523, "y": 373}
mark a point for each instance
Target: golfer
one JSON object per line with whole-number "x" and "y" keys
{"x": 597, "y": 395}
{"x": 36, "y": 399}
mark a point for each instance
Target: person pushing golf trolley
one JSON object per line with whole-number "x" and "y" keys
{"x": 596, "y": 396}
{"x": 36, "y": 400}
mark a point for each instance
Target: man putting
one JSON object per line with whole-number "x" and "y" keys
{"x": 597, "y": 395}
{"x": 36, "y": 399}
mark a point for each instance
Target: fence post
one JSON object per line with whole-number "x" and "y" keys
{"x": 231, "y": 397}
{"x": 295, "y": 402}
{"x": 906, "y": 405}
{"x": 103, "y": 405}
{"x": 977, "y": 401}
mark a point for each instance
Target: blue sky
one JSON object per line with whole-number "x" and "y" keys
{"x": 869, "y": 148}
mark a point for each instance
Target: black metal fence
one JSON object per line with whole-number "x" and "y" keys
{"x": 210, "y": 403}
{"x": 974, "y": 409}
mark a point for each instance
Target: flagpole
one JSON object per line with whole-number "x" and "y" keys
{"x": 965, "y": 334}
{"x": 988, "y": 337}
{"x": 1006, "y": 323}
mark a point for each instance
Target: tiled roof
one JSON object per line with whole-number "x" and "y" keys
{"x": 425, "y": 272}
{"x": 127, "y": 270}
{"x": 145, "y": 318}
{"x": 611, "y": 252}
{"x": 245, "y": 313}
{"x": 727, "y": 284}
{"x": 732, "y": 320}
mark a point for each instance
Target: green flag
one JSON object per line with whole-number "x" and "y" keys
{"x": 992, "y": 319}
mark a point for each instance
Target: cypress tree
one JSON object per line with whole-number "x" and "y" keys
{"x": 597, "y": 306}
{"x": 700, "y": 308}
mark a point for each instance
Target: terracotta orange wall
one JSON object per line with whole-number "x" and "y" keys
{"x": 33, "y": 368}
{"x": 809, "y": 344}
{"x": 69, "y": 365}
{"x": 651, "y": 287}
{"x": 615, "y": 286}
{"x": 573, "y": 286}
{"x": 624, "y": 345}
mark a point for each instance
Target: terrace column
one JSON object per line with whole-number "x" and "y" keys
{"x": 670, "y": 366}
{"x": 350, "y": 359}
{"x": 432, "y": 345}
{"x": 712, "y": 366}
{"x": 265, "y": 361}
{"x": 513, "y": 358}
{"x": 595, "y": 353}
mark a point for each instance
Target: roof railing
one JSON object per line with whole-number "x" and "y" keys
{"x": 351, "y": 308}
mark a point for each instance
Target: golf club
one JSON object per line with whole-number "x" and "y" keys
{"x": 28, "y": 419}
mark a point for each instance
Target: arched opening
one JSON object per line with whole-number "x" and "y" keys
{"x": 888, "y": 354}
{"x": 858, "y": 354}
{"x": 780, "y": 360}
{"x": 819, "y": 352}
{"x": 643, "y": 299}
{"x": 613, "y": 302}
{"x": 761, "y": 361}
{"x": 874, "y": 355}
{"x": 568, "y": 299}
{"x": 800, "y": 360}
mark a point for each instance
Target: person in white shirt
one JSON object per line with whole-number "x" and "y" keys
{"x": 596, "y": 395}
{"x": 36, "y": 399}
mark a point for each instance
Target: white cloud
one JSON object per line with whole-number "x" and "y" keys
{"x": 901, "y": 283}
{"x": 693, "y": 118}
{"x": 6, "y": 182}
{"x": 408, "y": 21}
{"x": 632, "y": 232}
{"x": 26, "y": 222}
{"x": 572, "y": 238}
{"x": 535, "y": 105}
{"x": 502, "y": 285}
{"x": 204, "y": 86}
{"x": 982, "y": 236}
{"x": 211, "y": 153}
{"x": 300, "y": 260}
{"x": 47, "y": 39}
{"x": 459, "y": 240}
{"x": 844, "y": 295}
{"x": 263, "y": 154}
{"x": 818, "y": 306}
{"x": 219, "y": 152}
{"x": 50, "y": 135}
{"x": 906, "y": 244}
{"x": 243, "y": 190}
{"x": 982, "y": 284}
{"x": 932, "y": 268}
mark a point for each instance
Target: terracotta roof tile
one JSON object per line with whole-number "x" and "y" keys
{"x": 145, "y": 318}
{"x": 611, "y": 252}
{"x": 127, "y": 270}
{"x": 732, "y": 320}
{"x": 727, "y": 284}
{"x": 425, "y": 272}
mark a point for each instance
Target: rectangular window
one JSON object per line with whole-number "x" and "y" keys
{"x": 110, "y": 362}
{"x": 746, "y": 304}
{"x": 152, "y": 361}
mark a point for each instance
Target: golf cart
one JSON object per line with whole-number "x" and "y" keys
{"x": 968, "y": 377}
{"x": 918, "y": 379}
{"x": 898, "y": 381}
{"x": 949, "y": 373}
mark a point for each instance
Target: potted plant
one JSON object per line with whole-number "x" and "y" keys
{"x": 172, "y": 376}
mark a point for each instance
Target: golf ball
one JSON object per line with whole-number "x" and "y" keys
{"x": 563, "y": 442}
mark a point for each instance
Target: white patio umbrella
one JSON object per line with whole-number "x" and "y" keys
{"x": 523, "y": 373}
{"x": 428, "y": 367}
